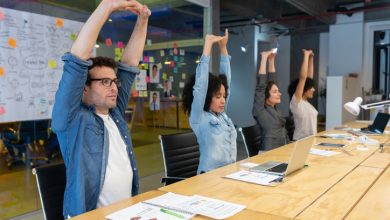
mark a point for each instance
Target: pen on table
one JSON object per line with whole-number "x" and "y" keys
{"x": 169, "y": 212}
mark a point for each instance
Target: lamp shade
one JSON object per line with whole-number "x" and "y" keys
{"x": 354, "y": 107}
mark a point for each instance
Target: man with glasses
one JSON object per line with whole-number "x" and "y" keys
{"x": 88, "y": 115}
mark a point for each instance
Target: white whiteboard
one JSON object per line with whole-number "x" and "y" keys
{"x": 31, "y": 47}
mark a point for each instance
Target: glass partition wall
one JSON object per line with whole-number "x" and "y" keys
{"x": 173, "y": 47}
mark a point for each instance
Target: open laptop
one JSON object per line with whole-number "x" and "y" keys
{"x": 377, "y": 127}
{"x": 296, "y": 162}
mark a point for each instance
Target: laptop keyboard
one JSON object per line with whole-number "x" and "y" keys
{"x": 281, "y": 168}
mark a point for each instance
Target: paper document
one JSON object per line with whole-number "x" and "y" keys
{"x": 326, "y": 153}
{"x": 248, "y": 164}
{"x": 196, "y": 204}
{"x": 337, "y": 136}
{"x": 255, "y": 177}
{"x": 141, "y": 211}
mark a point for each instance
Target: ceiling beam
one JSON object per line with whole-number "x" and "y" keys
{"x": 317, "y": 9}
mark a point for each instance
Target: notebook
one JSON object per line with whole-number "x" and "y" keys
{"x": 297, "y": 160}
{"x": 377, "y": 127}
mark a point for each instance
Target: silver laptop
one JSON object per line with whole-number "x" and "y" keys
{"x": 377, "y": 127}
{"x": 296, "y": 162}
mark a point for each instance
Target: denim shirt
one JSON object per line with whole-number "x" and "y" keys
{"x": 215, "y": 133}
{"x": 83, "y": 137}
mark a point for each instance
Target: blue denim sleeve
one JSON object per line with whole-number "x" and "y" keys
{"x": 126, "y": 74}
{"x": 200, "y": 89}
{"x": 224, "y": 68}
{"x": 70, "y": 91}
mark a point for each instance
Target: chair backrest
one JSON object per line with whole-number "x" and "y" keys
{"x": 42, "y": 131}
{"x": 252, "y": 139}
{"x": 51, "y": 181}
{"x": 181, "y": 154}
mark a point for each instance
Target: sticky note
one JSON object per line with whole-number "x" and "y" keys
{"x": 73, "y": 36}
{"x": 146, "y": 66}
{"x": 12, "y": 42}
{"x": 119, "y": 44}
{"x": 175, "y": 70}
{"x": 2, "y": 110}
{"x": 175, "y": 58}
{"x": 147, "y": 79}
{"x": 2, "y": 71}
{"x": 175, "y": 51}
{"x": 183, "y": 76}
{"x": 148, "y": 42}
{"x": 171, "y": 52}
{"x": 2, "y": 15}
{"x": 52, "y": 64}
{"x": 59, "y": 22}
{"x": 151, "y": 59}
{"x": 172, "y": 64}
{"x": 117, "y": 51}
{"x": 162, "y": 53}
{"x": 181, "y": 85}
{"x": 182, "y": 52}
{"x": 146, "y": 59}
{"x": 108, "y": 42}
{"x": 164, "y": 76}
{"x": 171, "y": 78}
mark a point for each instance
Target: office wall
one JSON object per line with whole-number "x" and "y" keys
{"x": 243, "y": 74}
{"x": 323, "y": 67}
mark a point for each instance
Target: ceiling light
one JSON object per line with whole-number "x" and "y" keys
{"x": 244, "y": 48}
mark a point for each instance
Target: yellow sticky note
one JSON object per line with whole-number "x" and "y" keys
{"x": 151, "y": 59}
{"x": 164, "y": 76}
{"x": 52, "y": 64}
{"x": 59, "y": 22}
{"x": 2, "y": 71}
{"x": 73, "y": 36}
{"x": 12, "y": 42}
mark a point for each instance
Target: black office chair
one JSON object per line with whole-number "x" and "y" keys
{"x": 252, "y": 139}
{"x": 17, "y": 141}
{"x": 51, "y": 181}
{"x": 290, "y": 126}
{"x": 181, "y": 156}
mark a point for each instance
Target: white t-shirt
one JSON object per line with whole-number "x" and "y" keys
{"x": 305, "y": 118}
{"x": 119, "y": 174}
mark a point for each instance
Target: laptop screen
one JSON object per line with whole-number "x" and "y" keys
{"x": 380, "y": 122}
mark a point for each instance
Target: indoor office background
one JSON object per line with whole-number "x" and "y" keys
{"x": 350, "y": 40}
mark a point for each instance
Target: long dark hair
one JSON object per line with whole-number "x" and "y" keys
{"x": 268, "y": 88}
{"x": 214, "y": 86}
{"x": 309, "y": 83}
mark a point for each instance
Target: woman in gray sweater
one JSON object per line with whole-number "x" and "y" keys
{"x": 265, "y": 111}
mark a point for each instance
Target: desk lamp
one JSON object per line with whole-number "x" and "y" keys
{"x": 353, "y": 107}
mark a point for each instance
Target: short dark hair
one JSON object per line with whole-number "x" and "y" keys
{"x": 154, "y": 66}
{"x": 309, "y": 83}
{"x": 100, "y": 62}
{"x": 214, "y": 86}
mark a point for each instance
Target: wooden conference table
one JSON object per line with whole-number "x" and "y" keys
{"x": 354, "y": 184}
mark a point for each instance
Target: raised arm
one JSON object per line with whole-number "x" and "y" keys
{"x": 87, "y": 37}
{"x": 311, "y": 66}
{"x": 202, "y": 79}
{"x": 134, "y": 48}
{"x": 224, "y": 65}
{"x": 303, "y": 75}
{"x": 258, "y": 102}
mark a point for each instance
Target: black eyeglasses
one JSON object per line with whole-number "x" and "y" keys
{"x": 107, "y": 82}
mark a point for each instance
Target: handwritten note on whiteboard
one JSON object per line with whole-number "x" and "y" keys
{"x": 31, "y": 47}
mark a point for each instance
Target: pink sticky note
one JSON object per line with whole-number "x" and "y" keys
{"x": 146, "y": 59}
{"x": 147, "y": 78}
{"x": 134, "y": 93}
{"x": 172, "y": 64}
{"x": 2, "y": 15}
{"x": 119, "y": 44}
{"x": 2, "y": 110}
{"x": 108, "y": 42}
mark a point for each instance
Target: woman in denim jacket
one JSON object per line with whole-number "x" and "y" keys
{"x": 205, "y": 98}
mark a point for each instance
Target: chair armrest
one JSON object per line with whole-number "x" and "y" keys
{"x": 170, "y": 180}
